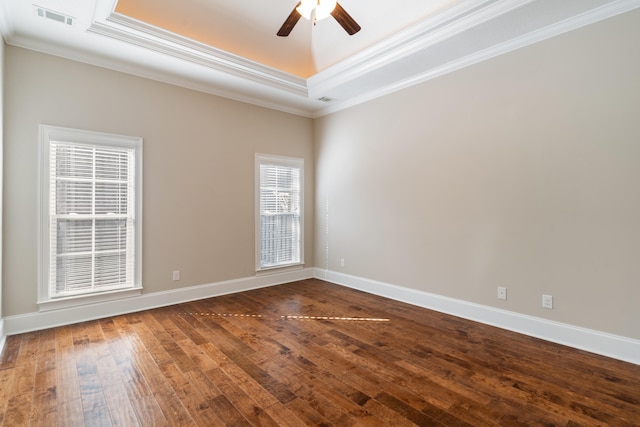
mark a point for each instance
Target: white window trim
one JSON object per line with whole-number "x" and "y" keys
{"x": 52, "y": 133}
{"x": 284, "y": 161}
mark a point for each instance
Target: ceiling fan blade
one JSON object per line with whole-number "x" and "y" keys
{"x": 345, "y": 20}
{"x": 290, "y": 22}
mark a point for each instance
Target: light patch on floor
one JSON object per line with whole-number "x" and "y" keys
{"x": 290, "y": 317}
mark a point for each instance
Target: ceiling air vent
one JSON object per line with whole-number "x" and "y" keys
{"x": 54, "y": 16}
{"x": 325, "y": 99}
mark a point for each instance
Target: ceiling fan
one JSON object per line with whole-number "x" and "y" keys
{"x": 316, "y": 10}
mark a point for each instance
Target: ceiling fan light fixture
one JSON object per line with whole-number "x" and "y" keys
{"x": 324, "y": 8}
{"x": 306, "y": 8}
{"x": 319, "y": 9}
{"x": 313, "y": 10}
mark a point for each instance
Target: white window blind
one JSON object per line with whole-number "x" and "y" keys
{"x": 91, "y": 209}
{"x": 280, "y": 212}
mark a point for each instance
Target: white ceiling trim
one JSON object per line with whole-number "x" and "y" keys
{"x": 451, "y": 22}
{"x": 140, "y": 34}
{"x": 573, "y": 23}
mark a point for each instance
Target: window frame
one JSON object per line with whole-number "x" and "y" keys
{"x": 47, "y": 135}
{"x": 293, "y": 162}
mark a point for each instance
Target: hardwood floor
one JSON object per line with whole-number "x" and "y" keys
{"x": 305, "y": 353}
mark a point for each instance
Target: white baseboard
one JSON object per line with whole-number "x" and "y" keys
{"x": 3, "y": 335}
{"x": 66, "y": 316}
{"x": 617, "y": 347}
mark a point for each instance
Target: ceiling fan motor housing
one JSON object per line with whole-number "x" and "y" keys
{"x": 319, "y": 9}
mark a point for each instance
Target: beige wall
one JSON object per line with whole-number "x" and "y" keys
{"x": 198, "y": 168}
{"x": 522, "y": 171}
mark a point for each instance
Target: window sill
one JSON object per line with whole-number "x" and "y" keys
{"x": 79, "y": 300}
{"x": 279, "y": 269}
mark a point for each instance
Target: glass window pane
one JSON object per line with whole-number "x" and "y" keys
{"x": 73, "y": 160}
{"x": 110, "y": 270}
{"x": 111, "y": 198}
{"x": 112, "y": 164}
{"x": 73, "y": 197}
{"x": 73, "y": 273}
{"x": 74, "y": 236}
{"x": 111, "y": 234}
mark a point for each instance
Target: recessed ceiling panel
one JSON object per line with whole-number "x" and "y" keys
{"x": 243, "y": 27}
{"x": 248, "y": 28}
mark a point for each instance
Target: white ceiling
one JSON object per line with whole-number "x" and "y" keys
{"x": 230, "y": 47}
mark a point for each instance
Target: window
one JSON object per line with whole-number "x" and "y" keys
{"x": 279, "y": 222}
{"x": 90, "y": 214}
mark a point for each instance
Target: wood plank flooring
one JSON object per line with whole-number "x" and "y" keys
{"x": 305, "y": 353}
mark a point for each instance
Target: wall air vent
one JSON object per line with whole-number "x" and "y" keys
{"x": 54, "y": 16}
{"x": 325, "y": 99}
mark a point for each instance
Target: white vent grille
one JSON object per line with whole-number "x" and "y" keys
{"x": 54, "y": 16}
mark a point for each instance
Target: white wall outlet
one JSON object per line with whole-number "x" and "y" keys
{"x": 502, "y": 293}
{"x": 176, "y": 275}
{"x": 547, "y": 301}
{"x": 341, "y": 262}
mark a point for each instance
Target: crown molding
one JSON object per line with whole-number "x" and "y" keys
{"x": 137, "y": 33}
{"x": 577, "y": 21}
{"x": 449, "y": 23}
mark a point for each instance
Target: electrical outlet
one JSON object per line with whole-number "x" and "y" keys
{"x": 341, "y": 262}
{"x": 502, "y": 293}
{"x": 176, "y": 275}
{"x": 547, "y": 301}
